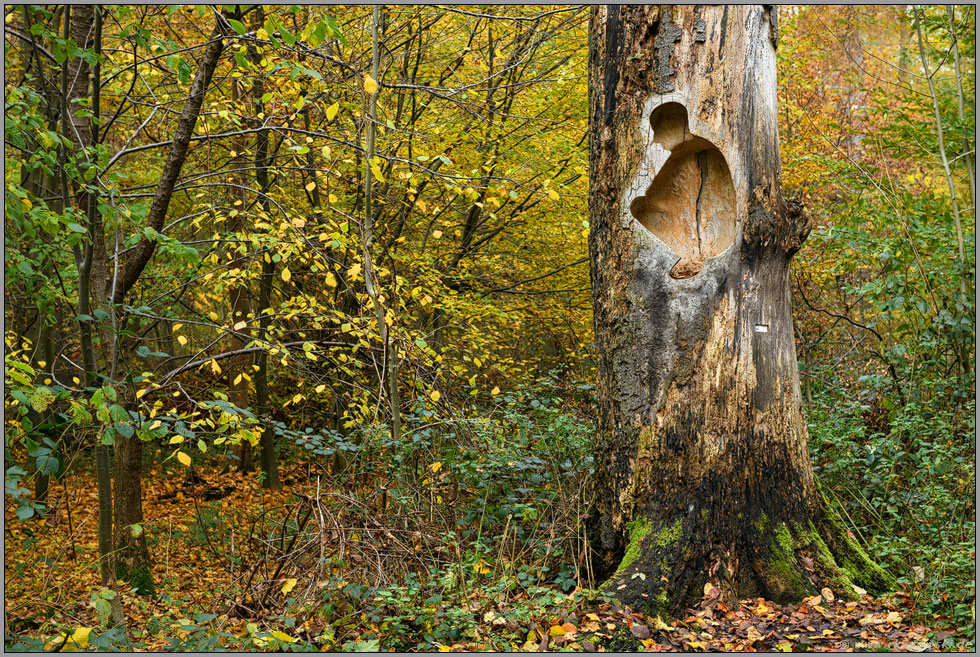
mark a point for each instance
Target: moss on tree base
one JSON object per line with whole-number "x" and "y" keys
{"x": 133, "y": 566}
{"x": 666, "y": 568}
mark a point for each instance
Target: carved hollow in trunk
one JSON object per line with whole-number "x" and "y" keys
{"x": 690, "y": 206}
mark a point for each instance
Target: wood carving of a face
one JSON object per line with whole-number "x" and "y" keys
{"x": 690, "y": 205}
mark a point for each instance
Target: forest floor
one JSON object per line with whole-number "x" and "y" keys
{"x": 208, "y": 597}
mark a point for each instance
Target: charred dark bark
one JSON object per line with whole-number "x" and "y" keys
{"x": 703, "y": 473}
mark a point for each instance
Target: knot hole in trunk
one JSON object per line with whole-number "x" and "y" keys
{"x": 690, "y": 205}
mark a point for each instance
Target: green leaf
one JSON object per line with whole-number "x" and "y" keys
{"x": 335, "y": 30}
{"x": 236, "y": 25}
{"x": 124, "y": 430}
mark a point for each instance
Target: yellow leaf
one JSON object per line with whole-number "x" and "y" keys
{"x": 495, "y": 391}
{"x": 332, "y": 198}
{"x": 444, "y": 648}
{"x": 155, "y": 425}
{"x": 182, "y": 340}
{"x": 286, "y": 275}
{"x": 262, "y": 34}
{"x": 320, "y": 388}
{"x": 370, "y": 85}
{"x": 332, "y": 111}
{"x": 215, "y": 367}
{"x": 80, "y": 636}
{"x": 310, "y": 186}
{"x": 184, "y": 458}
{"x": 297, "y": 398}
{"x": 176, "y": 439}
{"x": 435, "y": 466}
{"x": 282, "y": 636}
{"x": 176, "y": 327}
{"x": 482, "y": 567}
{"x": 785, "y": 646}
{"x": 330, "y": 280}
{"x": 240, "y": 325}
{"x": 435, "y": 395}
{"x": 556, "y": 630}
{"x": 437, "y": 234}
{"x": 289, "y": 585}
{"x": 553, "y": 195}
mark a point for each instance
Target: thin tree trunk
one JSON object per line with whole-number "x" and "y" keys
{"x": 132, "y": 554}
{"x": 703, "y": 472}
{"x": 942, "y": 152}
{"x": 390, "y": 366}
{"x": 238, "y": 292}
{"x": 269, "y": 463}
{"x": 85, "y": 27}
{"x": 967, "y": 156}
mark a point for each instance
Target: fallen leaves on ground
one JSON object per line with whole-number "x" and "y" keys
{"x": 53, "y": 599}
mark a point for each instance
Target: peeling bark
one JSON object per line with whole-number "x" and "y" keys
{"x": 703, "y": 473}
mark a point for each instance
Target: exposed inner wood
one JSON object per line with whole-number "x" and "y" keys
{"x": 690, "y": 205}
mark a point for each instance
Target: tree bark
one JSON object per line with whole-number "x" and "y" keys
{"x": 389, "y": 370}
{"x": 132, "y": 554}
{"x": 703, "y": 472}
{"x": 269, "y": 462}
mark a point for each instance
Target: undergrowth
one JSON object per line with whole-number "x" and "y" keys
{"x": 470, "y": 531}
{"x": 904, "y": 479}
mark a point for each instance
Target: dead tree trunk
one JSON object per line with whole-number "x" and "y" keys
{"x": 703, "y": 473}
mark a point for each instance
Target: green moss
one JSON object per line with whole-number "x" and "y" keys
{"x": 661, "y": 603}
{"x": 762, "y": 522}
{"x": 784, "y": 538}
{"x": 788, "y": 581}
{"x": 669, "y": 536}
{"x": 140, "y": 577}
{"x": 133, "y": 566}
{"x": 704, "y": 515}
{"x": 638, "y": 530}
{"x": 852, "y": 558}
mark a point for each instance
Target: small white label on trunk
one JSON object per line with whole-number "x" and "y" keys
{"x": 761, "y": 328}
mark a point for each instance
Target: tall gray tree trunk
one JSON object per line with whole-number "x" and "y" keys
{"x": 703, "y": 472}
